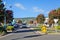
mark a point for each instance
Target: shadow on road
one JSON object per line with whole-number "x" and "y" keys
{"x": 30, "y": 36}
{"x": 21, "y": 31}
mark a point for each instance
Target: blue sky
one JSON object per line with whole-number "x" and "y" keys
{"x": 31, "y": 8}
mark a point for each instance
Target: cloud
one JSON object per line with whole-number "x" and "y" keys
{"x": 20, "y": 6}
{"x": 36, "y": 9}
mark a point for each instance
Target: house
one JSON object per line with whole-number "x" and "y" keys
{"x": 46, "y": 22}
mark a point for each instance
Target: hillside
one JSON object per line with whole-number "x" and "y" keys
{"x": 27, "y": 18}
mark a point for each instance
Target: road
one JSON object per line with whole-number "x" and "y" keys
{"x": 28, "y": 34}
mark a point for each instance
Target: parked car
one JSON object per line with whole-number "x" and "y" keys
{"x": 20, "y": 25}
{"x": 24, "y": 25}
{"x": 16, "y": 25}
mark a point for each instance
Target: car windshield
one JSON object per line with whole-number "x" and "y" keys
{"x": 24, "y": 24}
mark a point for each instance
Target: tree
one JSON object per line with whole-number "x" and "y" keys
{"x": 2, "y": 9}
{"x": 31, "y": 22}
{"x": 59, "y": 22}
{"x": 9, "y": 16}
{"x": 58, "y": 11}
{"x": 4, "y": 12}
{"x": 40, "y": 18}
{"x": 54, "y": 14}
{"x": 19, "y": 21}
{"x": 51, "y": 21}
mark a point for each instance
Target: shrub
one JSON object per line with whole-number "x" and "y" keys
{"x": 38, "y": 28}
{"x": 59, "y": 22}
{"x": 1, "y": 28}
{"x": 57, "y": 27}
{"x": 10, "y": 28}
{"x": 2, "y": 31}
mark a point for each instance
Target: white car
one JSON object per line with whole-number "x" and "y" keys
{"x": 24, "y": 25}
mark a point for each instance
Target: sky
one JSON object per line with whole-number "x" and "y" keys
{"x": 31, "y": 8}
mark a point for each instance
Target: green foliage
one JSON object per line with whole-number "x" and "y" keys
{"x": 54, "y": 14}
{"x": 5, "y": 13}
{"x": 9, "y": 16}
{"x": 1, "y": 28}
{"x": 38, "y": 28}
{"x": 2, "y": 32}
{"x": 9, "y": 28}
{"x": 57, "y": 27}
{"x": 59, "y": 22}
{"x": 40, "y": 18}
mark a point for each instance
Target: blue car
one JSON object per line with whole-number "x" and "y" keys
{"x": 16, "y": 26}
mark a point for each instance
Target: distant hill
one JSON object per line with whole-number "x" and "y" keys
{"x": 27, "y": 18}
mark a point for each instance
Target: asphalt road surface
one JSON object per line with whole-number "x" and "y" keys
{"x": 28, "y": 34}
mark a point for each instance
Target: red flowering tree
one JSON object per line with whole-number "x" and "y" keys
{"x": 54, "y": 14}
{"x": 4, "y": 12}
{"x": 9, "y": 16}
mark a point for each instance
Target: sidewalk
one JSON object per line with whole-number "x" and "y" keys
{"x": 39, "y": 32}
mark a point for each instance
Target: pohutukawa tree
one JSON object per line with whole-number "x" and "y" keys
{"x": 4, "y": 12}
{"x": 2, "y": 9}
{"x": 54, "y": 14}
{"x": 31, "y": 22}
{"x": 9, "y": 16}
{"x": 58, "y": 11}
{"x": 40, "y": 18}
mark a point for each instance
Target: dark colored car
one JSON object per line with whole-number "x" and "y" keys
{"x": 16, "y": 26}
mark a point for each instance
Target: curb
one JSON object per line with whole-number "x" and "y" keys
{"x": 54, "y": 33}
{"x": 6, "y": 35}
{"x": 38, "y": 32}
